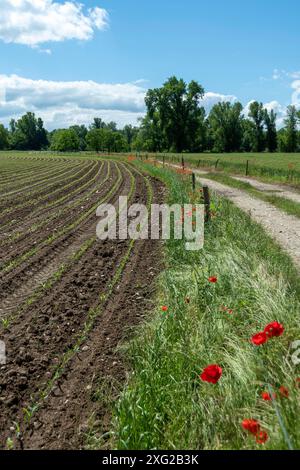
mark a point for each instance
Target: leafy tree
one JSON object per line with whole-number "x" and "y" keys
{"x": 98, "y": 124}
{"x": 65, "y": 140}
{"x": 225, "y": 121}
{"x": 42, "y": 137}
{"x": 81, "y": 132}
{"x": 257, "y": 114}
{"x": 95, "y": 139}
{"x": 150, "y": 136}
{"x": 106, "y": 139}
{"x": 112, "y": 126}
{"x": 4, "y": 142}
{"x": 248, "y": 133}
{"x": 289, "y": 140}
{"x": 173, "y": 113}
{"x": 130, "y": 134}
{"x": 28, "y": 133}
{"x": 271, "y": 137}
{"x": 114, "y": 141}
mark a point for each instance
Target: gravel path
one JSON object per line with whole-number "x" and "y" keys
{"x": 278, "y": 190}
{"x": 284, "y": 228}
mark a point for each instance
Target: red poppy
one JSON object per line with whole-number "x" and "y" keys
{"x": 259, "y": 338}
{"x": 164, "y": 308}
{"x": 251, "y": 425}
{"x": 226, "y": 309}
{"x": 213, "y": 279}
{"x": 284, "y": 391}
{"x": 262, "y": 437}
{"x": 298, "y": 382}
{"x": 266, "y": 396}
{"x": 274, "y": 329}
{"x": 212, "y": 374}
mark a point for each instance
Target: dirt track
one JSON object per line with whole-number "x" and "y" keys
{"x": 284, "y": 228}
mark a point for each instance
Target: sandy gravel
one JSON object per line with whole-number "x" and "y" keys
{"x": 284, "y": 228}
{"x": 278, "y": 190}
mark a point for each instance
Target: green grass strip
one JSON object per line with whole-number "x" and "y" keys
{"x": 165, "y": 405}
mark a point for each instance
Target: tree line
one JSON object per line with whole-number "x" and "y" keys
{"x": 28, "y": 133}
{"x": 174, "y": 121}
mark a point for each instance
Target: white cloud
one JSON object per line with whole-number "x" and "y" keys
{"x": 283, "y": 74}
{"x": 62, "y": 104}
{"x": 67, "y": 103}
{"x": 210, "y": 99}
{"x": 34, "y": 22}
{"x": 276, "y": 74}
{"x": 296, "y": 93}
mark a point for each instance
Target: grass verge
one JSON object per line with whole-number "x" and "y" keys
{"x": 165, "y": 405}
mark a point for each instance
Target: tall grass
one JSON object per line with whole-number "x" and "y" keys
{"x": 165, "y": 405}
{"x": 267, "y": 166}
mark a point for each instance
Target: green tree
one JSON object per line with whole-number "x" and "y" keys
{"x": 150, "y": 136}
{"x": 130, "y": 134}
{"x": 98, "y": 124}
{"x": 271, "y": 137}
{"x": 112, "y": 126}
{"x": 65, "y": 140}
{"x": 81, "y": 132}
{"x": 106, "y": 139}
{"x": 4, "y": 142}
{"x": 248, "y": 136}
{"x": 173, "y": 113}
{"x": 289, "y": 140}
{"x": 28, "y": 133}
{"x": 95, "y": 139}
{"x": 225, "y": 121}
{"x": 257, "y": 114}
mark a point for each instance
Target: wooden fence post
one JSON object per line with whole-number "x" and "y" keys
{"x": 216, "y": 165}
{"x": 182, "y": 162}
{"x": 206, "y": 203}
{"x": 194, "y": 181}
{"x": 247, "y": 168}
{"x": 163, "y": 161}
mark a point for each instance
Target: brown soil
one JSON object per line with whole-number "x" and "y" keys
{"x": 42, "y": 333}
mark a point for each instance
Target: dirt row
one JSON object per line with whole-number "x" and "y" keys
{"x": 51, "y": 220}
{"x": 12, "y": 168}
{"x": 42, "y": 192}
{"x": 39, "y": 337}
{"x": 61, "y": 198}
{"x": 37, "y": 179}
{"x": 20, "y": 282}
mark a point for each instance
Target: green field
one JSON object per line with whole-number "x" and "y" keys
{"x": 281, "y": 167}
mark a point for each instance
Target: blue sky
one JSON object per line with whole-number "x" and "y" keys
{"x": 243, "y": 49}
